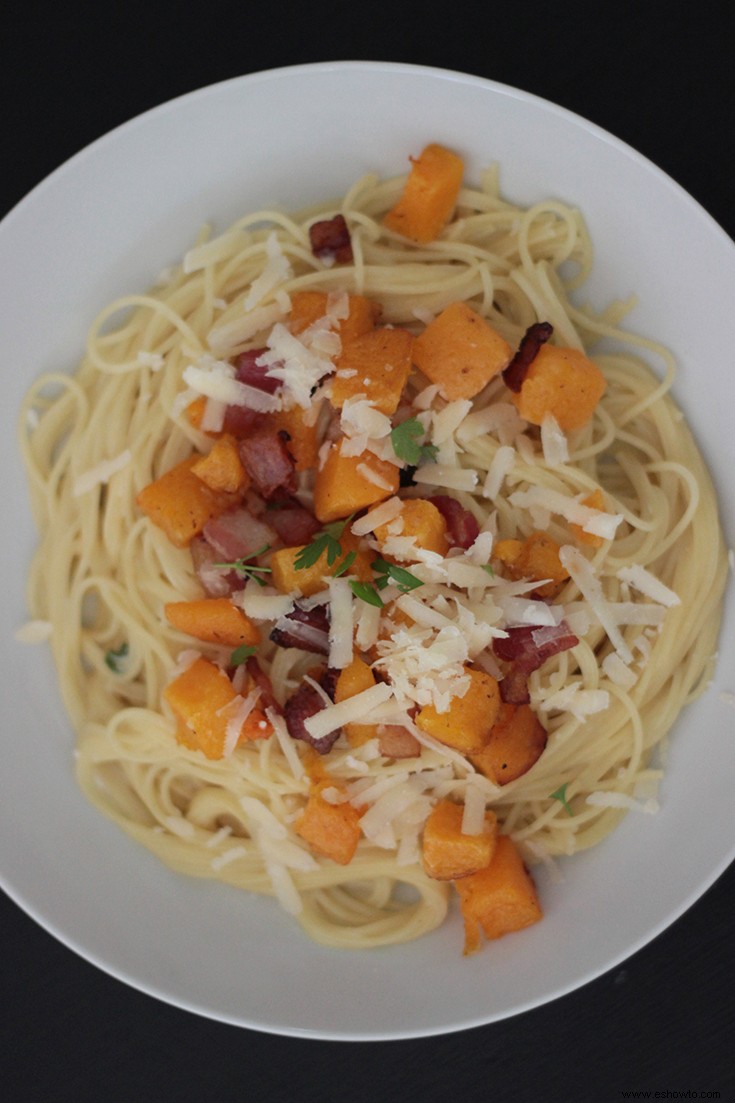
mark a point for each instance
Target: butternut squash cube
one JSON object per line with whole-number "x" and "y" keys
{"x": 421, "y": 520}
{"x": 213, "y": 620}
{"x": 332, "y": 830}
{"x": 517, "y": 740}
{"x": 353, "y": 680}
{"x": 536, "y": 557}
{"x": 429, "y": 195}
{"x": 202, "y": 698}
{"x": 347, "y": 484}
{"x": 498, "y": 899}
{"x": 595, "y": 500}
{"x": 447, "y": 853}
{"x": 222, "y": 468}
{"x": 378, "y": 364}
{"x": 302, "y": 443}
{"x": 181, "y": 504}
{"x": 287, "y": 577}
{"x": 562, "y": 382}
{"x": 467, "y": 723}
{"x": 308, "y": 307}
{"x": 460, "y": 351}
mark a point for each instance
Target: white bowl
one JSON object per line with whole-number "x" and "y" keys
{"x": 106, "y": 223}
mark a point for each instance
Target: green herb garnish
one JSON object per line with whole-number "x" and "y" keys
{"x": 389, "y": 572}
{"x": 112, "y": 658}
{"x": 327, "y": 541}
{"x": 367, "y": 592}
{"x": 241, "y": 653}
{"x": 488, "y": 567}
{"x": 247, "y": 568}
{"x": 404, "y": 439}
{"x": 561, "y": 796}
{"x": 345, "y": 565}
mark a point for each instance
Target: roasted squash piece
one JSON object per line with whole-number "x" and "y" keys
{"x": 213, "y": 620}
{"x": 429, "y": 195}
{"x": 498, "y": 899}
{"x": 353, "y": 680}
{"x": 595, "y": 500}
{"x": 467, "y": 723}
{"x": 517, "y": 740}
{"x": 421, "y": 520}
{"x": 287, "y": 577}
{"x": 562, "y": 382}
{"x": 536, "y": 557}
{"x": 460, "y": 351}
{"x": 181, "y": 504}
{"x": 447, "y": 853}
{"x": 202, "y": 698}
{"x": 222, "y": 469}
{"x": 332, "y": 830}
{"x": 346, "y": 484}
{"x": 375, "y": 364}
{"x": 308, "y": 307}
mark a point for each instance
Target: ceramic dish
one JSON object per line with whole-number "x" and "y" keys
{"x": 106, "y": 223}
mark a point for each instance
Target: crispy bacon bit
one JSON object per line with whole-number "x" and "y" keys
{"x": 307, "y": 629}
{"x": 331, "y": 238}
{"x": 306, "y": 702}
{"x": 395, "y": 741}
{"x": 268, "y": 461}
{"x": 534, "y": 337}
{"x": 526, "y": 648}
{"x": 462, "y": 527}
{"x": 294, "y": 523}
{"x": 237, "y": 534}
{"x": 249, "y": 371}
{"x": 215, "y": 581}
{"x": 263, "y": 682}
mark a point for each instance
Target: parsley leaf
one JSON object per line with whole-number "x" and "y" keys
{"x": 389, "y": 572}
{"x": 488, "y": 567}
{"x": 327, "y": 541}
{"x": 345, "y": 565}
{"x": 241, "y": 653}
{"x": 561, "y": 796}
{"x": 112, "y": 658}
{"x": 404, "y": 439}
{"x": 367, "y": 593}
{"x": 245, "y": 567}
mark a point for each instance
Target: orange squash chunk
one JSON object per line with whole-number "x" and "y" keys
{"x": 429, "y": 195}
{"x": 536, "y": 557}
{"x": 460, "y": 351}
{"x": 222, "y": 468}
{"x": 342, "y": 486}
{"x": 332, "y": 830}
{"x": 595, "y": 500}
{"x": 421, "y": 520}
{"x": 381, "y": 363}
{"x": 308, "y": 307}
{"x": 517, "y": 740}
{"x": 181, "y": 504}
{"x": 200, "y": 699}
{"x": 498, "y": 899}
{"x": 447, "y": 854}
{"x": 467, "y": 723}
{"x": 213, "y": 620}
{"x": 287, "y": 577}
{"x": 353, "y": 680}
{"x": 562, "y": 382}
{"x": 195, "y": 411}
{"x": 303, "y": 443}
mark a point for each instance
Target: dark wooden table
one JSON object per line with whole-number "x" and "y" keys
{"x": 659, "y": 77}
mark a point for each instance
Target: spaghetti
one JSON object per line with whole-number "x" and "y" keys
{"x": 642, "y": 599}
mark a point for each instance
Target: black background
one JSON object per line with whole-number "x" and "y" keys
{"x": 659, "y": 76}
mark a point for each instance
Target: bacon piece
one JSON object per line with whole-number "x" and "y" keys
{"x": 306, "y": 628}
{"x": 215, "y": 581}
{"x": 331, "y": 238}
{"x": 395, "y": 741}
{"x": 268, "y": 461}
{"x": 264, "y": 684}
{"x": 526, "y": 648}
{"x": 294, "y": 523}
{"x": 237, "y": 534}
{"x": 532, "y": 340}
{"x": 306, "y": 702}
{"x": 462, "y": 527}
{"x": 249, "y": 371}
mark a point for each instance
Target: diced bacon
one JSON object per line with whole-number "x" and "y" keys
{"x": 240, "y": 421}
{"x": 462, "y": 527}
{"x": 294, "y": 523}
{"x": 237, "y": 534}
{"x": 307, "y": 629}
{"x": 526, "y": 648}
{"x": 304, "y": 703}
{"x": 248, "y": 370}
{"x": 396, "y": 741}
{"x": 330, "y": 239}
{"x": 263, "y": 683}
{"x": 268, "y": 462}
{"x": 534, "y": 337}
{"x": 215, "y": 581}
